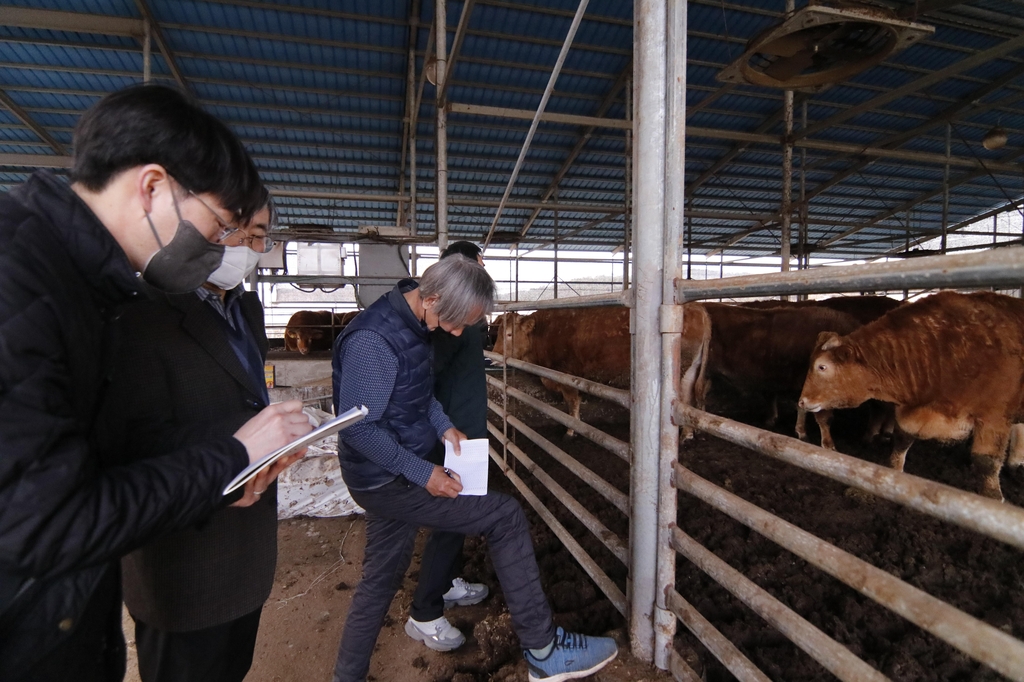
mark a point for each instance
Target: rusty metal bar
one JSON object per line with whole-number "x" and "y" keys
{"x": 680, "y": 670}
{"x": 1003, "y": 267}
{"x": 609, "y": 443}
{"x": 717, "y": 643}
{"x": 616, "y": 497}
{"x": 1001, "y": 521}
{"x": 623, "y": 298}
{"x": 609, "y": 539}
{"x": 618, "y": 396}
{"x": 604, "y": 583}
{"x": 974, "y": 637}
{"x": 832, "y": 655}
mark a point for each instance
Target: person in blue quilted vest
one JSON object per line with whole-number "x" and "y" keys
{"x": 383, "y": 361}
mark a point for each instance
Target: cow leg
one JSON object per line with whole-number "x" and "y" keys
{"x": 801, "y": 423}
{"x": 824, "y": 420}
{"x": 988, "y": 450}
{"x": 1016, "y": 450}
{"x": 881, "y": 421}
{"x": 773, "y": 416}
{"x": 572, "y": 400}
{"x": 901, "y": 442}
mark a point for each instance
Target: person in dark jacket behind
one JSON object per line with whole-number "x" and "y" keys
{"x": 461, "y": 389}
{"x": 382, "y": 360}
{"x": 196, "y": 370}
{"x": 155, "y": 180}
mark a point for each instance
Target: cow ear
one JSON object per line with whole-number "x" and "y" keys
{"x": 829, "y": 340}
{"x": 527, "y": 323}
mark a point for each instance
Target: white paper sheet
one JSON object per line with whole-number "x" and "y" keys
{"x": 471, "y": 465}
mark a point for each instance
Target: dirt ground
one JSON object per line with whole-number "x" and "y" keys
{"x": 320, "y": 561}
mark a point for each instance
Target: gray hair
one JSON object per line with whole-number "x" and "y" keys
{"x": 463, "y": 287}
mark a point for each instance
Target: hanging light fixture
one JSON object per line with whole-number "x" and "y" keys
{"x": 430, "y": 70}
{"x": 995, "y": 138}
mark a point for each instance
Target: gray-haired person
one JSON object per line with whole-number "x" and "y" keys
{"x": 382, "y": 360}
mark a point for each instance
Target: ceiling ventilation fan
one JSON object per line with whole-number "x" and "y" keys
{"x": 818, "y": 46}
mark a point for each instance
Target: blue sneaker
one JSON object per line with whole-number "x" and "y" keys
{"x": 572, "y": 657}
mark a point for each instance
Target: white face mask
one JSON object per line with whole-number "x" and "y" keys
{"x": 236, "y": 265}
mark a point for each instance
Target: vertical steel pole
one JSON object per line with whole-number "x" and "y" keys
{"x": 556, "y": 242}
{"x": 147, "y": 51}
{"x": 801, "y": 262}
{"x": 945, "y": 191}
{"x": 649, "y": 219}
{"x": 441, "y": 145}
{"x": 627, "y": 216}
{"x": 786, "y": 208}
{"x": 671, "y": 323}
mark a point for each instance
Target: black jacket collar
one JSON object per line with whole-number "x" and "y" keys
{"x": 94, "y": 251}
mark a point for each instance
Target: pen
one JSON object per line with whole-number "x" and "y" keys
{"x": 447, "y": 472}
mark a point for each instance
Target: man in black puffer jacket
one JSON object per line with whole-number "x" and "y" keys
{"x": 155, "y": 179}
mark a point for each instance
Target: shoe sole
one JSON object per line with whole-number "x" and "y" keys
{"x": 465, "y": 601}
{"x": 430, "y": 642}
{"x": 575, "y": 675}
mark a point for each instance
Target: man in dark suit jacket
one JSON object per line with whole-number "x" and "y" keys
{"x": 195, "y": 369}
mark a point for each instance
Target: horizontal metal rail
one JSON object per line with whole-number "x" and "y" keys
{"x": 1002, "y": 267}
{"x": 680, "y": 669}
{"x": 618, "y": 396}
{"x": 609, "y": 539}
{"x": 974, "y": 637}
{"x": 717, "y": 643}
{"x": 617, "y": 498}
{"x": 624, "y": 298}
{"x": 610, "y": 443}
{"x": 600, "y": 578}
{"x": 832, "y": 655}
{"x": 998, "y": 520}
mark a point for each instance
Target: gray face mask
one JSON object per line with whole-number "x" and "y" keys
{"x": 184, "y": 263}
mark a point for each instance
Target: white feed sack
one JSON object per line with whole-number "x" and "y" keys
{"x": 313, "y": 485}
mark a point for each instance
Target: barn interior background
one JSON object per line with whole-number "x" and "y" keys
{"x": 798, "y": 136}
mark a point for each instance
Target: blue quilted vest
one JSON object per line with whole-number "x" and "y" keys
{"x": 405, "y": 417}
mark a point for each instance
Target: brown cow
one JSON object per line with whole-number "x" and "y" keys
{"x": 311, "y": 330}
{"x": 592, "y": 343}
{"x": 864, "y": 308}
{"x": 763, "y": 352}
{"x": 952, "y": 364}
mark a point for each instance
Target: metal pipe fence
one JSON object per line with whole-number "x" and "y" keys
{"x": 977, "y": 639}
{"x": 612, "y": 542}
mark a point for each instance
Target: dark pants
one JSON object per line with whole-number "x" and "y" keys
{"x": 441, "y": 563}
{"x": 222, "y": 653}
{"x": 394, "y": 513}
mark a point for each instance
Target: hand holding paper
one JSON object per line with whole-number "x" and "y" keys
{"x": 471, "y": 465}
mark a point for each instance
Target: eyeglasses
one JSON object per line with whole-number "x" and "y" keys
{"x": 225, "y": 228}
{"x": 257, "y": 244}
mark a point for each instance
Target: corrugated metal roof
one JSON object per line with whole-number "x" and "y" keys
{"x": 317, "y": 90}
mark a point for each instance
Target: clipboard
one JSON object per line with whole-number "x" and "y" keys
{"x": 326, "y": 429}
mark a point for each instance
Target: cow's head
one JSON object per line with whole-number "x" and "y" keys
{"x": 837, "y": 377}
{"x": 514, "y": 335}
{"x": 310, "y": 330}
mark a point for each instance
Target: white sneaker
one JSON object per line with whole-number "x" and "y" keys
{"x": 465, "y": 594}
{"x": 437, "y": 634}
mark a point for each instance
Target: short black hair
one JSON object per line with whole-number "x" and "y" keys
{"x": 146, "y": 124}
{"x": 467, "y": 249}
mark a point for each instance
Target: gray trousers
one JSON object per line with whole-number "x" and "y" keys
{"x": 394, "y": 514}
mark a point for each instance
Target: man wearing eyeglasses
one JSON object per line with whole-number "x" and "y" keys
{"x": 197, "y": 371}
{"x": 155, "y": 179}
